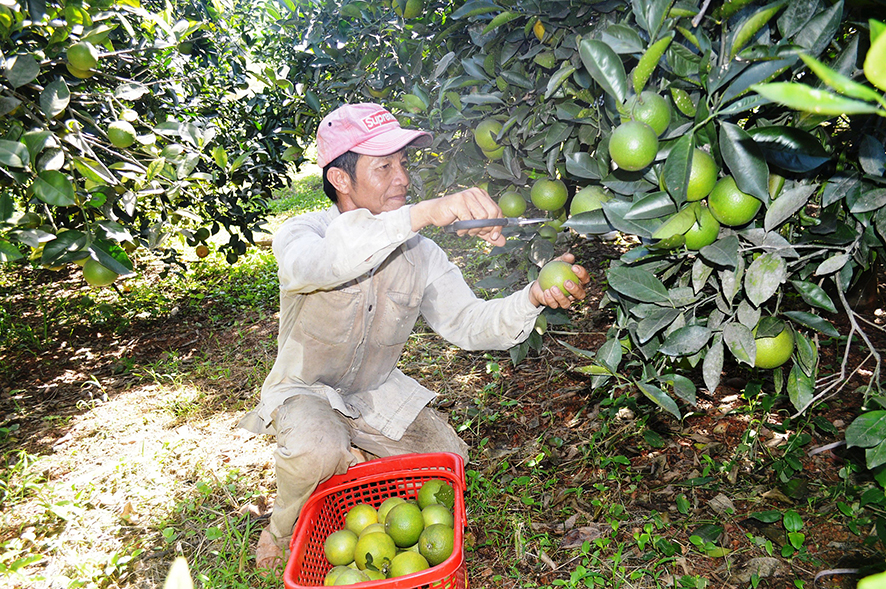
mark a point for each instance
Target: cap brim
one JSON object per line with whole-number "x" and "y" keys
{"x": 393, "y": 141}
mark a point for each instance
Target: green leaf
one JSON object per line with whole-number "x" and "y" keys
{"x": 787, "y": 203}
{"x": 220, "y": 156}
{"x": 21, "y": 70}
{"x": 659, "y": 319}
{"x": 55, "y": 98}
{"x": 652, "y": 206}
{"x": 842, "y": 84}
{"x": 807, "y": 354}
{"x": 832, "y": 264}
{"x": 95, "y": 170}
{"x": 8, "y": 252}
{"x": 813, "y": 322}
{"x": 13, "y": 154}
{"x": 767, "y": 517}
{"x": 582, "y": 165}
{"x": 677, "y": 167}
{"x": 749, "y": 27}
{"x": 660, "y": 398}
{"x": 790, "y": 148}
{"x": 605, "y": 66}
{"x": 820, "y": 30}
{"x": 814, "y": 295}
{"x": 637, "y": 284}
{"x": 53, "y": 187}
{"x": 875, "y": 457}
{"x": 616, "y": 209}
{"x": 723, "y": 252}
{"x": 821, "y": 102}
{"x": 712, "y": 365}
{"x": 740, "y": 342}
{"x": 650, "y": 14}
{"x": 869, "y": 201}
{"x": 867, "y": 430}
{"x": 501, "y": 19}
{"x": 561, "y": 75}
{"x": 66, "y": 247}
{"x": 589, "y": 223}
{"x": 111, "y": 256}
{"x": 475, "y": 7}
{"x": 745, "y": 160}
{"x": 764, "y": 277}
{"x": 685, "y": 341}
{"x": 610, "y": 354}
{"x": 677, "y": 224}
{"x": 801, "y": 388}
{"x": 683, "y": 387}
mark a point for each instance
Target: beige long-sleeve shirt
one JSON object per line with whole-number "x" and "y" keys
{"x": 352, "y": 286}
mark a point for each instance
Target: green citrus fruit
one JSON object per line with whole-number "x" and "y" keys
{"x": 374, "y": 575}
{"x": 512, "y": 203}
{"x": 350, "y": 577}
{"x": 372, "y": 528}
{"x": 78, "y": 73}
{"x": 97, "y": 275}
{"x": 360, "y": 516}
{"x": 589, "y": 198}
{"x": 185, "y": 47}
{"x": 406, "y": 563}
{"x": 436, "y": 543}
{"x": 633, "y": 145}
{"x": 412, "y": 10}
{"x": 548, "y": 232}
{"x": 731, "y": 206}
{"x": 495, "y": 154}
{"x": 437, "y": 513}
{"x": 652, "y": 109}
{"x": 435, "y": 491}
{"x": 772, "y": 352}
{"x": 339, "y": 547}
{"x": 555, "y": 273}
{"x": 704, "y": 231}
{"x": 386, "y": 506}
{"x": 121, "y": 134}
{"x": 702, "y": 176}
{"x": 83, "y": 55}
{"x": 332, "y": 575}
{"x": 548, "y": 194}
{"x": 485, "y": 134}
{"x": 404, "y": 523}
{"x": 377, "y": 548}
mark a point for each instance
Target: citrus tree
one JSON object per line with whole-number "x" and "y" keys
{"x": 124, "y": 127}
{"x": 753, "y": 220}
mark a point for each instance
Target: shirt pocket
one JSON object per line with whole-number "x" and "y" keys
{"x": 397, "y": 318}
{"x": 330, "y": 317}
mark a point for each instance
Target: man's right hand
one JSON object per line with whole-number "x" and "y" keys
{"x": 473, "y": 203}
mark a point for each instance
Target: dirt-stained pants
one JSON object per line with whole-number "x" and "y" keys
{"x": 314, "y": 442}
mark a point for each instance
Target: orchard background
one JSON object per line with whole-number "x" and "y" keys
{"x": 145, "y": 142}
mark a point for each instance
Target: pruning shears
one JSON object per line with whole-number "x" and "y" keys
{"x": 478, "y": 223}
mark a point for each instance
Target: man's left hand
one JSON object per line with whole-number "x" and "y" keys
{"x": 554, "y": 297}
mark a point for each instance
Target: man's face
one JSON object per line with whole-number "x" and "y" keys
{"x": 380, "y": 184}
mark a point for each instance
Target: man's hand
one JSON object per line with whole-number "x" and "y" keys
{"x": 473, "y": 203}
{"x": 554, "y": 297}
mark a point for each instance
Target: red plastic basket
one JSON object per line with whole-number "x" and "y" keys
{"x": 372, "y": 482}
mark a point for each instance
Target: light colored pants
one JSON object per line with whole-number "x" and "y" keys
{"x": 314, "y": 442}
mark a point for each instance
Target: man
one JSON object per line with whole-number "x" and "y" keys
{"x": 353, "y": 280}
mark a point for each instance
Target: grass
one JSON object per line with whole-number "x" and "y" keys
{"x": 150, "y": 464}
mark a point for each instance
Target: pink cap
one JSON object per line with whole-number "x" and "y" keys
{"x": 367, "y": 129}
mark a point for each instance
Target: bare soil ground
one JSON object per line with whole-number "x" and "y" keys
{"x": 102, "y": 407}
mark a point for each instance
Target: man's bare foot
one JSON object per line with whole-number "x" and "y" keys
{"x": 268, "y": 556}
